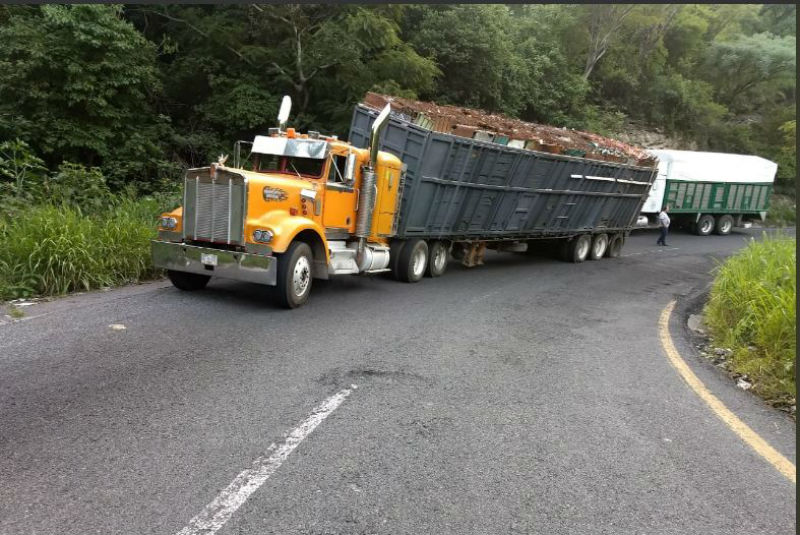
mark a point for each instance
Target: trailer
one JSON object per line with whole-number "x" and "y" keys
{"x": 474, "y": 194}
{"x": 398, "y": 198}
{"x": 709, "y": 191}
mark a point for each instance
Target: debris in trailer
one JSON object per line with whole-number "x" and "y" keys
{"x": 485, "y": 126}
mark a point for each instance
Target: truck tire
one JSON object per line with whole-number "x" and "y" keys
{"x": 577, "y": 249}
{"x": 724, "y": 225}
{"x": 188, "y": 282}
{"x": 599, "y": 246}
{"x": 437, "y": 264}
{"x": 615, "y": 243}
{"x": 413, "y": 261}
{"x": 394, "y": 257}
{"x": 704, "y": 225}
{"x": 294, "y": 275}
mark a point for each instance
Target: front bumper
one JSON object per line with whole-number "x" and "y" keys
{"x": 246, "y": 267}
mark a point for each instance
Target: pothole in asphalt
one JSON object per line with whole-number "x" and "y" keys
{"x": 360, "y": 374}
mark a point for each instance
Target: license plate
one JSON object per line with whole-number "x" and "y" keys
{"x": 208, "y": 259}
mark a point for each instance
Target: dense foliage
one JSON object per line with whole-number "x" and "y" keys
{"x": 752, "y": 311}
{"x": 142, "y": 91}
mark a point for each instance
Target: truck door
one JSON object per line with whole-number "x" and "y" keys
{"x": 338, "y": 214}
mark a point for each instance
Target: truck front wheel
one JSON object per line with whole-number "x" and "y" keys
{"x": 413, "y": 261}
{"x": 188, "y": 281}
{"x": 294, "y": 275}
{"x": 724, "y": 225}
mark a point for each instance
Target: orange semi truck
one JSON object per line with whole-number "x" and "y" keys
{"x": 311, "y": 207}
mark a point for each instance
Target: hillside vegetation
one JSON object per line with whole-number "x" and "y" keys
{"x": 143, "y": 91}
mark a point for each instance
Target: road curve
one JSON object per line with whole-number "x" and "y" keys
{"x": 523, "y": 396}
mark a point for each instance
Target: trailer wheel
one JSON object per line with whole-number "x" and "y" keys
{"x": 294, "y": 275}
{"x": 599, "y": 246}
{"x": 615, "y": 243}
{"x": 704, "y": 225}
{"x": 188, "y": 282}
{"x": 724, "y": 225}
{"x": 437, "y": 264}
{"x": 577, "y": 250}
{"x": 413, "y": 261}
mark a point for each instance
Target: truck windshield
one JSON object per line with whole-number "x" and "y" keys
{"x": 293, "y": 165}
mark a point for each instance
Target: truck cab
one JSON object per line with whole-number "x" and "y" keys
{"x": 307, "y": 207}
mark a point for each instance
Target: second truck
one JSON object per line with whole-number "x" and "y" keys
{"x": 397, "y": 198}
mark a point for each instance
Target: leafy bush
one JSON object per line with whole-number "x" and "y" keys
{"x": 56, "y": 249}
{"x": 782, "y": 211}
{"x": 21, "y": 171}
{"x": 752, "y": 311}
{"x": 76, "y": 185}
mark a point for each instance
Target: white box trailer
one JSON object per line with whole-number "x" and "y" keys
{"x": 709, "y": 191}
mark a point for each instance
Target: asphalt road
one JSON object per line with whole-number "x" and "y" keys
{"x": 524, "y": 396}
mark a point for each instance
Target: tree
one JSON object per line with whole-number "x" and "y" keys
{"x": 78, "y": 85}
{"x": 751, "y": 70}
{"x": 604, "y": 20}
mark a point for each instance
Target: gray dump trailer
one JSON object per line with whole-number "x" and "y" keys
{"x": 473, "y": 194}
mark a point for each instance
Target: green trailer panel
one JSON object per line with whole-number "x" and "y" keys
{"x": 716, "y": 198}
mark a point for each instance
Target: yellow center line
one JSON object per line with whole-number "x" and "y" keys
{"x": 753, "y": 439}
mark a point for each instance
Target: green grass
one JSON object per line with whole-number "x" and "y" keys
{"x": 54, "y": 250}
{"x": 751, "y": 310}
{"x": 782, "y": 211}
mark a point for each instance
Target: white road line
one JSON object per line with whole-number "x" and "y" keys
{"x": 220, "y": 510}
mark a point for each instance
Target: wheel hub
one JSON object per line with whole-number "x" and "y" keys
{"x": 301, "y": 277}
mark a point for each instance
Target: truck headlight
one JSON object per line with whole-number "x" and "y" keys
{"x": 168, "y": 223}
{"x": 274, "y": 194}
{"x": 263, "y": 236}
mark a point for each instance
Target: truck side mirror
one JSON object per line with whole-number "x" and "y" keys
{"x": 350, "y": 168}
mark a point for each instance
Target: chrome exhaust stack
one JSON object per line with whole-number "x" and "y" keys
{"x": 369, "y": 188}
{"x": 283, "y": 113}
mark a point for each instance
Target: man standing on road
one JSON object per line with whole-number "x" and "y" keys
{"x": 663, "y": 225}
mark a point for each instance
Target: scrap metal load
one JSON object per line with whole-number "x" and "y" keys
{"x": 485, "y": 126}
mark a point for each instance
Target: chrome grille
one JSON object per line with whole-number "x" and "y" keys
{"x": 214, "y": 209}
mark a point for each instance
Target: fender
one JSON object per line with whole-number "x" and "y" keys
{"x": 286, "y": 228}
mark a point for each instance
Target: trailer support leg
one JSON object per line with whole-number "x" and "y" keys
{"x": 473, "y": 254}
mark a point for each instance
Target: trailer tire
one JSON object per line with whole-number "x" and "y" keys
{"x": 724, "y": 225}
{"x": 615, "y": 243}
{"x": 413, "y": 261}
{"x": 577, "y": 249}
{"x": 437, "y": 263}
{"x": 188, "y": 282}
{"x": 704, "y": 225}
{"x": 295, "y": 268}
{"x": 599, "y": 246}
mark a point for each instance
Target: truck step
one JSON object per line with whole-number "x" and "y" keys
{"x": 384, "y": 270}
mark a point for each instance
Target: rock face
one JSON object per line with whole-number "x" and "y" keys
{"x": 485, "y": 126}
